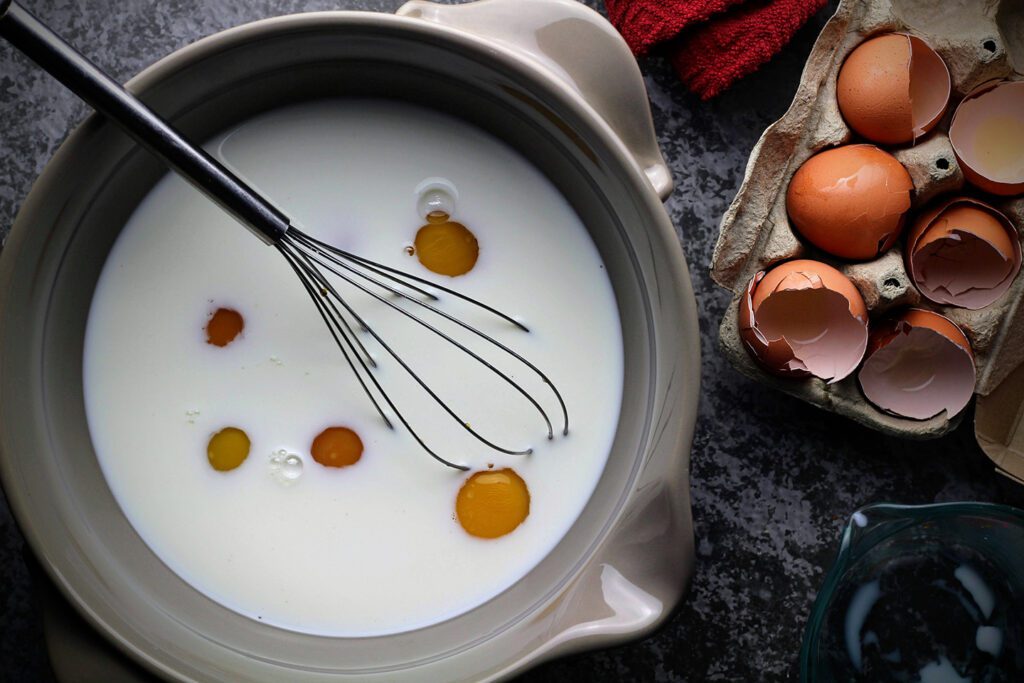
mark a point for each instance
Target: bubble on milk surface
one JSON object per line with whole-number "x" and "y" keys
{"x": 436, "y": 196}
{"x": 285, "y": 467}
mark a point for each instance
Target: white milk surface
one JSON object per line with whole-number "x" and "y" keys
{"x": 373, "y": 548}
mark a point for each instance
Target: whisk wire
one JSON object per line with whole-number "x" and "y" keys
{"x": 302, "y": 272}
{"x": 378, "y": 271}
{"x": 331, "y": 323}
{"x": 312, "y": 272}
{"x": 448, "y": 338}
{"x": 337, "y": 256}
{"x": 400, "y": 273}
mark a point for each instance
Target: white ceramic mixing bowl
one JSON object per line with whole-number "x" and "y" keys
{"x": 549, "y": 77}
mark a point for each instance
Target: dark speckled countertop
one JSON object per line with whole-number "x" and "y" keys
{"x": 773, "y": 479}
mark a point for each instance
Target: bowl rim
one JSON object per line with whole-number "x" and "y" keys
{"x": 682, "y": 393}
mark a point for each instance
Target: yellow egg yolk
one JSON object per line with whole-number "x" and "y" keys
{"x": 492, "y": 503}
{"x": 227, "y": 449}
{"x": 446, "y": 247}
{"x": 224, "y": 325}
{"x": 337, "y": 447}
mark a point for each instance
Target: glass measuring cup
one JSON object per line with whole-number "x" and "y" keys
{"x": 930, "y": 593}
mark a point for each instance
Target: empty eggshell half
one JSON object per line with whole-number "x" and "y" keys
{"x": 918, "y": 365}
{"x": 963, "y": 252}
{"x": 804, "y": 318}
{"x": 850, "y": 201}
{"x": 987, "y": 135}
{"x": 893, "y": 89}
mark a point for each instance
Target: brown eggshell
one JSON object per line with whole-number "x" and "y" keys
{"x": 774, "y": 355}
{"x": 804, "y": 318}
{"x": 893, "y": 89}
{"x": 850, "y": 201}
{"x": 930, "y": 87}
{"x": 873, "y": 89}
{"x": 987, "y": 135}
{"x": 963, "y": 252}
{"x": 918, "y": 365}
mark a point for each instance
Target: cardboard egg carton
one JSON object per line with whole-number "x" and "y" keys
{"x": 979, "y": 42}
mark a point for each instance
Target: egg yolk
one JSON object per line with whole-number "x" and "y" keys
{"x": 492, "y": 503}
{"x": 227, "y": 449}
{"x": 337, "y": 447}
{"x": 224, "y": 325}
{"x": 446, "y": 247}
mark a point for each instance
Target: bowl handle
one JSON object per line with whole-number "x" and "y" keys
{"x": 579, "y": 47}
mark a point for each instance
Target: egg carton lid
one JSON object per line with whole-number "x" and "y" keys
{"x": 999, "y": 425}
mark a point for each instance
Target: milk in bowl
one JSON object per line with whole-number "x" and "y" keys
{"x": 242, "y": 448}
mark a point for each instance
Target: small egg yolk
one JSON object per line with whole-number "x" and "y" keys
{"x": 227, "y": 449}
{"x": 492, "y": 503}
{"x": 224, "y": 325}
{"x": 337, "y": 447}
{"x": 446, "y": 247}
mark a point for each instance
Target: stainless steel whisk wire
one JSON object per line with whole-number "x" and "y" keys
{"x": 308, "y": 257}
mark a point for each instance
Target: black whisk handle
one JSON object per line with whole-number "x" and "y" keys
{"x": 85, "y": 79}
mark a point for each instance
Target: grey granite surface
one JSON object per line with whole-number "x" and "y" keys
{"x": 773, "y": 479}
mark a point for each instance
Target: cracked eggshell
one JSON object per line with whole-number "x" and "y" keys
{"x": 893, "y": 89}
{"x": 804, "y": 318}
{"x": 963, "y": 253}
{"x": 850, "y": 201}
{"x": 987, "y": 135}
{"x": 918, "y": 365}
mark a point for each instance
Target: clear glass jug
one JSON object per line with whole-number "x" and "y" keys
{"x": 930, "y": 593}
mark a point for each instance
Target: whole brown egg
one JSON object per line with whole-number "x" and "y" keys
{"x": 850, "y": 201}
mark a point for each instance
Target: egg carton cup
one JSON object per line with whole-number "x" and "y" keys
{"x": 979, "y": 42}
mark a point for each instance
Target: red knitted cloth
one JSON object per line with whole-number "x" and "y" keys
{"x": 711, "y": 43}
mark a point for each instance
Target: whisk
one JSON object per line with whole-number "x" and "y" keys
{"x": 320, "y": 267}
